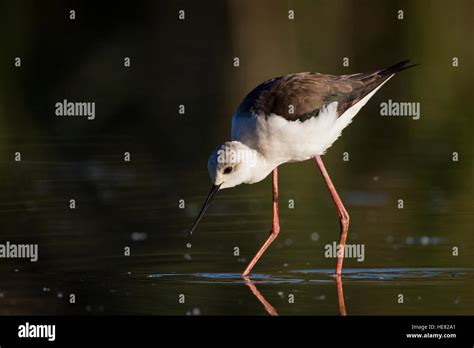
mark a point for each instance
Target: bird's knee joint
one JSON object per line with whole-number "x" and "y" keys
{"x": 275, "y": 230}
{"x": 345, "y": 220}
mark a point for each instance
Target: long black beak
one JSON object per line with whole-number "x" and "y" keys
{"x": 209, "y": 198}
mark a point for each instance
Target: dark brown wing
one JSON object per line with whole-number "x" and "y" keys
{"x": 302, "y": 96}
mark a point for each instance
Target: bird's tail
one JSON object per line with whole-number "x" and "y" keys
{"x": 396, "y": 68}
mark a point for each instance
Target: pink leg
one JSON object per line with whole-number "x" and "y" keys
{"x": 343, "y": 215}
{"x": 275, "y": 226}
{"x": 268, "y": 307}
{"x": 340, "y": 296}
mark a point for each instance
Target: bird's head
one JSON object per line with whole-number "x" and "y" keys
{"x": 229, "y": 165}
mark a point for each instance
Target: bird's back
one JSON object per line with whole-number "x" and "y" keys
{"x": 298, "y": 114}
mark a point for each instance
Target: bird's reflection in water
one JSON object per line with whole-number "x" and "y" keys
{"x": 272, "y": 311}
{"x": 253, "y": 288}
{"x": 340, "y": 295}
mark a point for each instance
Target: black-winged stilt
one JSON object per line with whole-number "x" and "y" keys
{"x": 291, "y": 118}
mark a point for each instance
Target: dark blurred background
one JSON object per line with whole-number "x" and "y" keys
{"x": 190, "y": 62}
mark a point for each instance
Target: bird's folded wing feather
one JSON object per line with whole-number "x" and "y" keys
{"x": 301, "y": 96}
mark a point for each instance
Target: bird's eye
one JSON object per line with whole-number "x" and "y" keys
{"x": 227, "y": 170}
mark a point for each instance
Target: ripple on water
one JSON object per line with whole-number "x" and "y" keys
{"x": 393, "y": 273}
{"x": 322, "y": 275}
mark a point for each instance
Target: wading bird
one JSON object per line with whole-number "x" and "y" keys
{"x": 291, "y": 118}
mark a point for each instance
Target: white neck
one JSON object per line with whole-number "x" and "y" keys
{"x": 261, "y": 169}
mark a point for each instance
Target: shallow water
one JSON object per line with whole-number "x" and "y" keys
{"x": 407, "y": 251}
